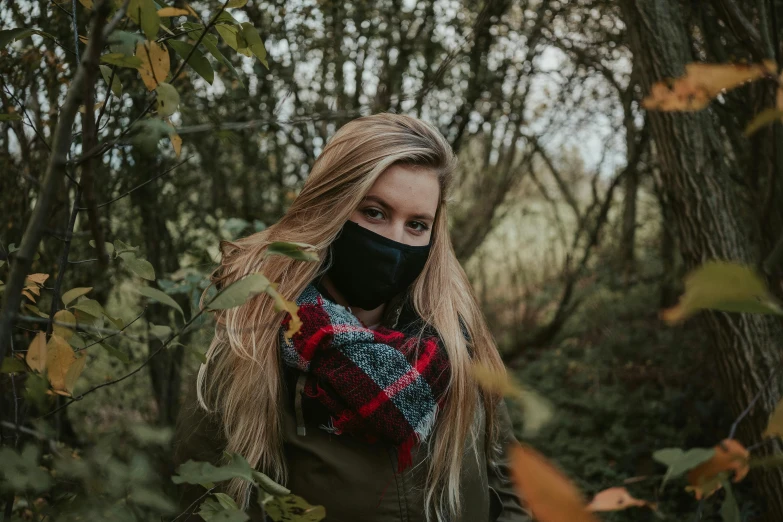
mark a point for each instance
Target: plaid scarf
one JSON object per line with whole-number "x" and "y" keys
{"x": 379, "y": 384}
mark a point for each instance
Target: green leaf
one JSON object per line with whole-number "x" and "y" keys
{"x": 89, "y": 306}
{"x": 293, "y": 507}
{"x": 167, "y": 99}
{"x": 148, "y": 17}
{"x": 22, "y": 471}
{"x": 254, "y": 42}
{"x": 160, "y": 331}
{"x": 195, "y": 472}
{"x": 73, "y": 293}
{"x": 152, "y": 499}
{"x": 762, "y": 119}
{"x": 211, "y": 510}
{"x": 116, "y": 353}
{"x": 115, "y": 85}
{"x": 162, "y": 297}
{"x": 121, "y": 60}
{"x": 12, "y": 365}
{"x": 239, "y": 292}
{"x": 197, "y": 59}
{"x": 11, "y": 35}
{"x": 124, "y": 42}
{"x": 10, "y": 117}
{"x": 109, "y": 246}
{"x": 298, "y": 251}
{"x": 724, "y": 286}
{"x": 729, "y": 511}
{"x": 226, "y": 501}
{"x": 210, "y": 43}
{"x": 269, "y": 485}
{"x": 229, "y": 34}
{"x": 140, "y": 267}
{"x": 236, "y": 3}
{"x": 680, "y": 461}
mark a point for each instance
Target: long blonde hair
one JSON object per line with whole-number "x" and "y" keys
{"x": 242, "y": 376}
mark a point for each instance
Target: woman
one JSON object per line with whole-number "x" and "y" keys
{"x": 377, "y": 420}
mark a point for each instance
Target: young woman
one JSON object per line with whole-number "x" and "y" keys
{"x": 369, "y": 409}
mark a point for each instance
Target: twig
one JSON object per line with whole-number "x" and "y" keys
{"x": 187, "y": 509}
{"x": 742, "y": 415}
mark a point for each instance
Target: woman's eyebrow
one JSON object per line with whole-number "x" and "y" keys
{"x": 381, "y": 202}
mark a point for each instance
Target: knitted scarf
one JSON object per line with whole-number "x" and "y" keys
{"x": 379, "y": 384}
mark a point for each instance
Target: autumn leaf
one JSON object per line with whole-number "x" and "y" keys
{"x": 614, "y": 499}
{"x": 282, "y": 304}
{"x": 775, "y": 424}
{"x": 155, "y": 63}
{"x": 36, "y": 353}
{"x": 172, "y": 11}
{"x": 63, "y": 367}
{"x": 64, "y": 316}
{"x": 730, "y": 455}
{"x": 176, "y": 143}
{"x": 701, "y": 83}
{"x": 549, "y": 494}
{"x": 725, "y": 286}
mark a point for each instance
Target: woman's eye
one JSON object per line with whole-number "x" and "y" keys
{"x": 373, "y": 213}
{"x": 419, "y": 223}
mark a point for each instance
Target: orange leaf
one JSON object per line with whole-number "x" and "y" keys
{"x": 36, "y": 353}
{"x": 176, "y": 143}
{"x": 38, "y": 278}
{"x": 549, "y": 494}
{"x": 64, "y": 316}
{"x": 730, "y": 455}
{"x": 614, "y": 499}
{"x": 701, "y": 83}
{"x": 155, "y": 63}
{"x": 62, "y": 365}
{"x": 27, "y": 295}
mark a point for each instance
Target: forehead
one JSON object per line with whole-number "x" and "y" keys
{"x": 408, "y": 190}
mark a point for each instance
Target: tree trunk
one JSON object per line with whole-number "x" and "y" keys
{"x": 710, "y": 223}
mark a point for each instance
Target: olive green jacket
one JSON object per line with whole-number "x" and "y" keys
{"x": 352, "y": 479}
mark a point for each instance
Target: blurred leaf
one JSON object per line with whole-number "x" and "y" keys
{"x": 109, "y": 246}
{"x": 124, "y": 42}
{"x": 10, "y": 117}
{"x": 160, "y": 331}
{"x": 12, "y": 365}
{"x": 615, "y": 499}
{"x": 269, "y": 485}
{"x": 115, "y": 85}
{"x": 239, "y": 292}
{"x": 22, "y": 471}
{"x": 176, "y": 143}
{"x": 729, "y": 455}
{"x": 167, "y": 99}
{"x": 762, "y": 119}
{"x": 8, "y": 36}
{"x": 89, "y": 306}
{"x": 194, "y": 472}
{"x": 121, "y": 60}
{"x": 114, "y": 352}
{"x": 293, "y": 507}
{"x": 152, "y": 435}
{"x": 73, "y": 293}
{"x": 254, "y": 42}
{"x": 212, "y": 511}
{"x": 236, "y": 3}
{"x": 150, "y": 498}
{"x": 775, "y": 425}
{"x": 172, "y": 11}
{"x": 724, "y": 286}
{"x": 298, "y": 251}
{"x": 154, "y": 293}
{"x": 549, "y": 494}
{"x": 729, "y": 511}
{"x": 679, "y": 461}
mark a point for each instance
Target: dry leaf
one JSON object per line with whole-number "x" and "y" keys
{"x": 775, "y": 424}
{"x": 36, "y": 353}
{"x": 549, "y": 494}
{"x": 27, "y": 295}
{"x": 701, "y": 83}
{"x": 730, "y": 455}
{"x": 614, "y": 499}
{"x": 282, "y": 304}
{"x": 38, "y": 278}
{"x": 155, "y": 63}
{"x": 60, "y": 359}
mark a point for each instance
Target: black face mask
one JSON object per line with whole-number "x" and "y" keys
{"x": 368, "y": 269}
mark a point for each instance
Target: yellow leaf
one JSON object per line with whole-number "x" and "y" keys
{"x": 176, "y": 143}
{"x": 86, "y": 3}
{"x": 60, "y": 358}
{"x": 36, "y": 353}
{"x": 615, "y": 499}
{"x": 64, "y": 316}
{"x": 282, "y": 304}
{"x": 190, "y": 10}
{"x": 548, "y": 493}
{"x": 172, "y": 11}
{"x": 97, "y": 106}
{"x": 155, "y": 63}
{"x": 73, "y": 373}
{"x": 83, "y": 39}
{"x": 725, "y": 286}
{"x": 27, "y": 295}
{"x": 38, "y": 278}
{"x": 775, "y": 424}
{"x": 701, "y": 83}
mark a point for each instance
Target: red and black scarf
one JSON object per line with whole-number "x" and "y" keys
{"x": 377, "y": 384}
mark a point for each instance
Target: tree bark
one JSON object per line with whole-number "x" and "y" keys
{"x": 711, "y": 222}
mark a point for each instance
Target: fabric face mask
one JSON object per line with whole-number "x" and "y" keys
{"x": 369, "y": 269}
